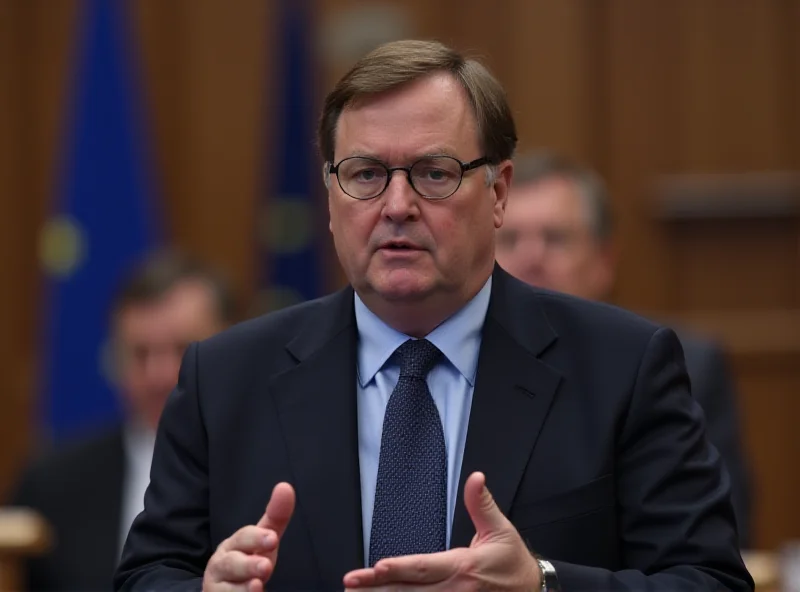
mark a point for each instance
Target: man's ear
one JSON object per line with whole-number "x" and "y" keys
{"x": 501, "y": 187}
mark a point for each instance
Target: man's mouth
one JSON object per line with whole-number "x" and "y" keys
{"x": 400, "y": 246}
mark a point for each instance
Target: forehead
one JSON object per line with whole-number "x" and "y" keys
{"x": 429, "y": 115}
{"x": 187, "y": 305}
{"x": 552, "y": 199}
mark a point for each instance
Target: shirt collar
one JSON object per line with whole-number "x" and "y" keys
{"x": 458, "y": 338}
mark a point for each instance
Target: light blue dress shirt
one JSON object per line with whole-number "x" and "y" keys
{"x": 451, "y": 383}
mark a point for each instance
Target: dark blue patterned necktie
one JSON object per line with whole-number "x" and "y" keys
{"x": 410, "y": 513}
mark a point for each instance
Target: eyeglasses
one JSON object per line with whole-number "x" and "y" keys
{"x": 432, "y": 177}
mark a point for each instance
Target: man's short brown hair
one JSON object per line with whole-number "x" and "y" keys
{"x": 162, "y": 271}
{"x": 400, "y": 62}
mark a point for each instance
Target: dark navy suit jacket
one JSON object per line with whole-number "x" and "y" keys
{"x": 713, "y": 387}
{"x": 582, "y": 420}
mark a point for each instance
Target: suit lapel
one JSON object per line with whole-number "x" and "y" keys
{"x": 316, "y": 402}
{"x": 513, "y": 393}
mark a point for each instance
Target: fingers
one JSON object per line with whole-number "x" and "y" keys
{"x": 482, "y": 509}
{"x": 279, "y": 509}
{"x": 432, "y": 568}
{"x": 237, "y": 567}
{"x": 445, "y": 571}
{"x": 252, "y": 540}
{"x": 246, "y": 560}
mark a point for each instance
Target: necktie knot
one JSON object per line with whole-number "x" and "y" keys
{"x": 417, "y": 357}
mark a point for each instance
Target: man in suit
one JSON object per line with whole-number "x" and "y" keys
{"x": 558, "y": 234}
{"x": 374, "y": 422}
{"x": 90, "y": 491}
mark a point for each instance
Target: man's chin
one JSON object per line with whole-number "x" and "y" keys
{"x": 400, "y": 294}
{"x": 401, "y": 290}
{"x": 400, "y": 283}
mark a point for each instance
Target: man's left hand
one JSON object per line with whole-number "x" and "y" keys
{"x": 497, "y": 558}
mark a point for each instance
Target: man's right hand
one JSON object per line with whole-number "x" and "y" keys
{"x": 245, "y": 561}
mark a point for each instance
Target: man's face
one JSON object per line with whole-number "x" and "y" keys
{"x": 150, "y": 339}
{"x": 547, "y": 241}
{"x": 449, "y": 244}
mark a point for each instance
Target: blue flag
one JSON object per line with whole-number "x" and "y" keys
{"x": 292, "y": 211}
{"x": 103, "y": 222}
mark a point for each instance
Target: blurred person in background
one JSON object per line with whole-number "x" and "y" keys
{"x": 91, "y": 491}
{"x": 558, "y": 234}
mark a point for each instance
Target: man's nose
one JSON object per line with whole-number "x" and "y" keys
{"x": 400, "y": 201}
{"x": 163, "y": 367}
{"x": 535, "y": 248}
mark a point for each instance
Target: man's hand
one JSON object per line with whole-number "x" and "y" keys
{"x": 246, "y": 560}
{"x": 497, "y": 558}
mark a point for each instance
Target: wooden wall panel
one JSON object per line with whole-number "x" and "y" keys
{"x": 643, "y": 80}
{"x": 790, "y": 97}
{"x": 741, "y": 264}
{"x": 733, "y": 118}
{"x": 208, "y": 67}
{"x": 159, "y": 30}
{"x": 347, "y": 29}
{"x": 36, "y": 46}
{"x": 552, "y": 79}
{"x": 13, "y": 382}
{"x": 695, "y": 87}
{"x": 770, "y": 384}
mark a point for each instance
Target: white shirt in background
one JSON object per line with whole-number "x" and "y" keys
{"x": 138, "y": 443}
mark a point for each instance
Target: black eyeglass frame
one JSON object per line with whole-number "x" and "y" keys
{"x": 333, "y": 169}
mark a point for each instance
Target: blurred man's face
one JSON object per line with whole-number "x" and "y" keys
{"x": 151, "y": 339}
{"x": 546, "y": 240}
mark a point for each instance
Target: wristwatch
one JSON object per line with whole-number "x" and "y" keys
{"x": 549, "y": 576}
